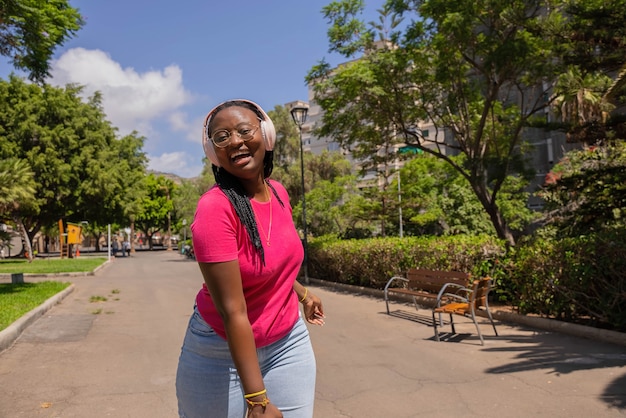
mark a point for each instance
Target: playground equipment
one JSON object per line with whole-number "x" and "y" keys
{"x": 69, "y": 239}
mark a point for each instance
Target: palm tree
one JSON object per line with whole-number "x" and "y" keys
{"x": 17, "y": 188}
{"x": 581, "y": 103}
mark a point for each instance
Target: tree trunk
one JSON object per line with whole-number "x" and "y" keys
{"x": 25, "y": 240}
{"x": 499, "y": 223}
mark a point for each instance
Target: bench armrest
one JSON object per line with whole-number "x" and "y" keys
{"x": 457, "y": 288}
{"x": 394, "y": 278}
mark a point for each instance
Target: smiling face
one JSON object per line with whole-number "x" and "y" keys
{"x": 243, "y": 159}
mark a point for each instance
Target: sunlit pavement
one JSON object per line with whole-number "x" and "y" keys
{"x": 110, "y": 348}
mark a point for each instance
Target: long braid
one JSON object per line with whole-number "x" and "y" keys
{"x": 233, "y": 189}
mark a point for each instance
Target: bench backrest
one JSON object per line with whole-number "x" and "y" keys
{"x": 432, "y": 280}
{"x": 480, "y": 292}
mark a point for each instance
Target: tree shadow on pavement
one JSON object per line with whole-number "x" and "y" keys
{"x": 564, "y": 355}
{"x": 614, "y": 393}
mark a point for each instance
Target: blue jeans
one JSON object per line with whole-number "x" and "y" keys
{"x": 207, "y": 383}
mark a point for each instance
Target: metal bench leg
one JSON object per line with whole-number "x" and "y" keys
{"x": 492, "y": 323}
{"x": 386, "y": 302}
{"x": 415, "y": 303}
{"x": 435, "y": 326}
{"x": 482, "y": 342}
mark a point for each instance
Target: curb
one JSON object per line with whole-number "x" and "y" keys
{"x": 55, "y": 275}
{"x": 546, "y": 324}
{"x": 553, "y": 325}
{"x": 13, "y": 331}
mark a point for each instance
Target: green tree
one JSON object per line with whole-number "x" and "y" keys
{"x": 287, "y": 147}
{"x": 330, "y": 185}
{"x": 580, "y": 103}
{"x": 17, "y": 189}
{"x": 326, "y": 171}
{"x": 475, "y": 70}
{"x": 206, "y": 178}
{"x": 351, "y": 97}
{"x": 157, "y": 206}
{"x": 586, "y": 192}
{"x": 30, "y": 31}
{"x": 82, "y": 171}
{"x": 185, "y": 201}
{"x": 437, "y": 200}
{"x": 595, "y": 37}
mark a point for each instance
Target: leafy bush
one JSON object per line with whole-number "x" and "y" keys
{"x": 371, "y": 262}
{"x": 572, "y": 279}
{"x": 578, "y": 279}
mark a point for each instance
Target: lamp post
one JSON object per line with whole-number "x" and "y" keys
{"x": 400, "y": 204}
{"x": 299, "y": 113}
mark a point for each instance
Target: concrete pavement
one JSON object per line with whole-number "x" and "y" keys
{"x": 117, "y": 357}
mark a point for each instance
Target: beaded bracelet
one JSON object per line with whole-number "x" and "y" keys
{"x": 252, "y": 395}
{"x": 306, "y": 291}
{"x": 263, "y": 403}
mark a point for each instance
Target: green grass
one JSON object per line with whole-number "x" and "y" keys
{"x": 18, "y": 299}
{"x": 50, "y": 266}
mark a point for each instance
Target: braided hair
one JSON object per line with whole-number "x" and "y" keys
{"x": 235, "y": 192}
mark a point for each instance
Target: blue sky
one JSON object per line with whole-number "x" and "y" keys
{"x": 162, "y": 65}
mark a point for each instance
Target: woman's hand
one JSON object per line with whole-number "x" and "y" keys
{"x": 313, "y": 309}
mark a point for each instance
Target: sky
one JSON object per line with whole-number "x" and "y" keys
{"x": 162, "y": 65}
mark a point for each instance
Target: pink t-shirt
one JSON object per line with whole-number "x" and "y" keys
{"x": 219, "y": 235}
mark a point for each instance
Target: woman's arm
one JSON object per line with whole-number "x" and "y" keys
{"x": 224, "y": 283}
{"x": 312, "y": 305}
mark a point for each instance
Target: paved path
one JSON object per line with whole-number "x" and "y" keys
{"x": 117, "y": 358}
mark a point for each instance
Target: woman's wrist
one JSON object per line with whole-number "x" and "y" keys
{"x": 303, "y": 298}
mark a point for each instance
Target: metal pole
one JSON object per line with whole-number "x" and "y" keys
{"x": 169, "y": 223}
{"x": 109, "y": 241}
{"x": 400, "y": 204}
{"x": 304, "y": 229}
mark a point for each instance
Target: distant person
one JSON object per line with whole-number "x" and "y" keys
{"x": 247, "y": 351}
{"x": 115, "y": 246}
{"x": 126, "y": 248}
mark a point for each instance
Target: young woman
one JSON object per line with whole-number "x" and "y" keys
{"x": 247, "y": 350}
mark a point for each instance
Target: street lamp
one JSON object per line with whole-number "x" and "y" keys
{"x": 400, "y": 204}
{"x": 299, "y": 113}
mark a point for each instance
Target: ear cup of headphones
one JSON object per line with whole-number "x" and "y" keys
{"x": 269, "y": 132}
{"x": 209, "y": 149}
{"x": 266, "y": 125}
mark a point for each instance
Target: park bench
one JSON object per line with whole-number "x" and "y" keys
{"x": 466, "y": 302}
{"x": 425, "y": 285}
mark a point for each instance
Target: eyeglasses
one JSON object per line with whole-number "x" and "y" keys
{"x": 223, "y": 137}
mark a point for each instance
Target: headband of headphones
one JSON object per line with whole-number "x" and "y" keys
{"x": 267, "y": 130}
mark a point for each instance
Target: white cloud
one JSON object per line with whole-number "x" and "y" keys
{"x": 180, "y": 123}
{"x": 175, "y": 162}
{"x": 131, "y": 100}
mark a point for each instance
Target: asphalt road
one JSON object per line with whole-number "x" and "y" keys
{"x": 117, "y": 357}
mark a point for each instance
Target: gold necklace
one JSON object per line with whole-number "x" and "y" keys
{"x": 269, "y": 230}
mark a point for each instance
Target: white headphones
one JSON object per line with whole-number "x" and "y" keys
{"x": 267, "y": 130}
